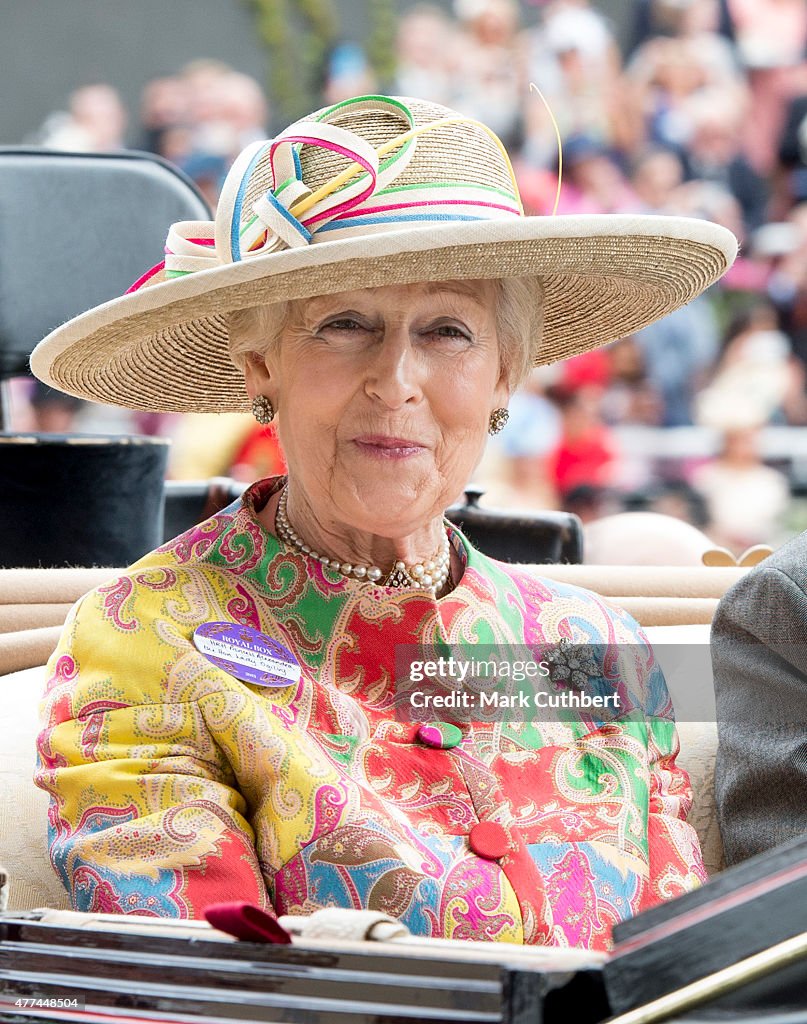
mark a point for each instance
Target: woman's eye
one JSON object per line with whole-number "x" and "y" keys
{"x": 450, "y": 331}
{"x": 343, "y": 324}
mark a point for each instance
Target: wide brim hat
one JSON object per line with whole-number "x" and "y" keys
{"x": 369, "y": 192}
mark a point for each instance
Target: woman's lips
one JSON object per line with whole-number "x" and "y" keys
{"x": 378, "y": 446}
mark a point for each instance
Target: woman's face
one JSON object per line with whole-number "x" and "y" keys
{"x": 383, "y": 397}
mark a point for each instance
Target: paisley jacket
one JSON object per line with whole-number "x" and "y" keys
{"x": 175, "y": 785}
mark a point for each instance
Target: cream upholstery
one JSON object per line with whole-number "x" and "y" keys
{"x": 689, "y": 678}
{"x": 24, "y": 807}
{"x": 650, "y": 595}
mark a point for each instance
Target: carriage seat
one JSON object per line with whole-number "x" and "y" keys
{"x": 674, "y": 604}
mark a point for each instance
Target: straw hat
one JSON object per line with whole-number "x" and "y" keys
{"x": 368, "y": 192}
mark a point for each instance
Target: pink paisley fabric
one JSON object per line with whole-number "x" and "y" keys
{"x": 174, "y": 785}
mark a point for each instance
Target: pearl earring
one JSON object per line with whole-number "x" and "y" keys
{"x": 262, "y": 409}
{"x": 497, "y": 420}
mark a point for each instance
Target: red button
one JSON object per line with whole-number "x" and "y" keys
{"x": 489, "y": 839}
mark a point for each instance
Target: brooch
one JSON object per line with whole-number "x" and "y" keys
{"x": 572, "y": 665}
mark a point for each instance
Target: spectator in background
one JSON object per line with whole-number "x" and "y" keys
{"x": 202, "y": 79}
{"x": 226, "y": 111}
{"x": 746, "y": 499}
{"x": 678, "y": 357}
{"x": 756, "y": 371}
{"x": 591, "y": 502}
{"x": 710, "y": 201}
{"x": 348, "y": 73}
{"x": 792, "y": 153}
{"x": 769, "y": 33}
{"x": 679, "y": 499}
{"x": 224, "y": 444}
{"x": 630, "y": 398}
{"x": 95, "y": 122}
{"x": 260, "y": 452}
{"x": 164, "y": 115}
{"x": 586, "y": 453}
{"x": 593, "y": 180}
{"x": 243, "y": 113}
{"x": 678, "y": 17}
{"x": 53, "y": 412}
{"x": 714, "y": 153}
{"x": 428, "y": 51}
{"x": 657, "y": 173}
{"x": 669, "y": 77}
{"x": 487, "y": 84}
{"x": 572, "y": 57}
{"x": 771, "y": 41}
{"x": 787, "y": 284}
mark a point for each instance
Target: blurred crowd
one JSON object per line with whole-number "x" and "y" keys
{"x": 701, "y": 111}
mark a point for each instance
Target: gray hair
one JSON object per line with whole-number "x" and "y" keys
{"x": 519, "y": 323}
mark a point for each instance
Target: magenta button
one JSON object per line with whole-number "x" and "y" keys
{"x": 440, "y": 735}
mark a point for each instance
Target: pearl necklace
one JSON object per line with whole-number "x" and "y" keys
{"x": 432, "y": 574}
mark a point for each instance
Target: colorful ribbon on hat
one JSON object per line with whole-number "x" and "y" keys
{"x": 359, "y": 200}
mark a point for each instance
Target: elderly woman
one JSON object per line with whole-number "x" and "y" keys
{"x": 220, "y": 720}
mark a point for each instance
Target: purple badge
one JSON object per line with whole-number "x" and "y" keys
{"x": 247, "y": 654}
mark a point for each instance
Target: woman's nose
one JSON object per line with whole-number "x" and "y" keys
{"x": 394, "y": 372}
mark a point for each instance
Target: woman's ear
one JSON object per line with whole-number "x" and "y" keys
{"x": 502, "y": 391}
{"x": 256, "y": 375}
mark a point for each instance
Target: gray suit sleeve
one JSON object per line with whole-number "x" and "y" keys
{"x": 759, "y": 658}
